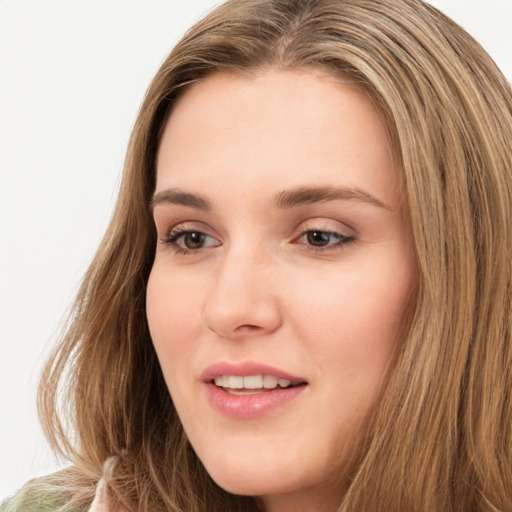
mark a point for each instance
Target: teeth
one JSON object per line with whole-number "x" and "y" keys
{"x": 243, "y": 391}
{"x": 269, "y": 382}
{"x": 250, "y": 382}
{"x": 253, "y": 382}
{"x": 220, "y": 381}
{"x": 235, "y": 382}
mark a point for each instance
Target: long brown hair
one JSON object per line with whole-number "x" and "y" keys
{"x": 441, "y": 439}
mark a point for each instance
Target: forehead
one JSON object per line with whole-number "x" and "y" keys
{"x": 282, "y": 127}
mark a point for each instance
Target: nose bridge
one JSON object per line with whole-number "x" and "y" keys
{"x": 243, "y": 298}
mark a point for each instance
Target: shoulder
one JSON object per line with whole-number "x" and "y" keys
{"x": 38, "y": 495}
{"x": 48, "y": 494}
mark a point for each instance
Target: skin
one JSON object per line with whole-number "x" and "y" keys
{"x": 255, "y": 287}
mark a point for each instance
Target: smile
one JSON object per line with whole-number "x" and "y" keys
{"x": 250, "y": 389}
{"x": 250, "y": 384}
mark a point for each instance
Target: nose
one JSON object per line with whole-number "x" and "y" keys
{"x": 243, "y": 301}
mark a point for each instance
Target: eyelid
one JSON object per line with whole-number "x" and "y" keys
{"x": 330, "y": 227}
{"x": 187, "y": 225}
{"x": 326, "y": 224}
{"x": 173, "y": 235}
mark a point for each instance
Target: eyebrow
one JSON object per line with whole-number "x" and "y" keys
{"x": 307, "y": 195}
{"x": 285, "y": 199}
{"x": 177, "y": 196}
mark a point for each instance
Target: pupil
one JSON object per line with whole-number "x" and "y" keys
{"x": 194, "y": 240}
{"x": 318, "y": 238}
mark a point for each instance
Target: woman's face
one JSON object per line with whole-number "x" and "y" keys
{"x": 281, "y": 277}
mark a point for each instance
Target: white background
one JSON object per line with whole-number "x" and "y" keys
{"x": 72, "y": 76}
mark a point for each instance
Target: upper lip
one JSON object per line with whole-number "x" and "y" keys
{"x": 245, "y": 369}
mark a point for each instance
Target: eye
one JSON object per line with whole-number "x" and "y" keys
{"x": 319, "y": 239}
{"x": 185, "y": 240}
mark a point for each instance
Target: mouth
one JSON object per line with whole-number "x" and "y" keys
{"x": 250, "y": 389}
{"x": 253, "y": 384}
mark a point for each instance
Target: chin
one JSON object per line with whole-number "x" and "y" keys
{"x": 251, "y": 478}
{"x": 235, "y": 484}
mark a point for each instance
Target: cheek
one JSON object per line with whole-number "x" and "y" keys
{"x": 351, "y": 320}
{"x": 172, "y": 317}
{"x": 353, "y": 302}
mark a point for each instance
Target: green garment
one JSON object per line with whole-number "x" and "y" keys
{"x": 36, "y": 496}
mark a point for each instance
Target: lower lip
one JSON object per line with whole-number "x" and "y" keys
{"x": 251, "y": 406}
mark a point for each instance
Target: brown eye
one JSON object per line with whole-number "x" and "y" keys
{"x": 185, "y": 241}
{"x": 318, "y": 238}
{"x": 193, "y": 239}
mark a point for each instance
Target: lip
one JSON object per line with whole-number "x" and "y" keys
{"x": 253, "y": 405}
{"x": 245, "y": 369}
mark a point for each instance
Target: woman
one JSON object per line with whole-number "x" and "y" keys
{"x": 303, "y": 301}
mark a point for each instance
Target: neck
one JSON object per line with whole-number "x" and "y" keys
{"x": 306, "y": 500}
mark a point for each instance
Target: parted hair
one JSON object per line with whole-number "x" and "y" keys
{"x": 441, "y": 437}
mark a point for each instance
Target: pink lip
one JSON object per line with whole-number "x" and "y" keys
{"x": 249, "y": 406}
{"x": 245, "y": 369}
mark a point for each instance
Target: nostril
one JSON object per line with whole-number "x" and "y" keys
{"x": 248, "y": 327}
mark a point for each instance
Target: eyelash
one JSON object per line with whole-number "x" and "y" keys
{"x": 173, "y": 237}
{"x": 342, "y": 240}
{"x": 176, "y": 234}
